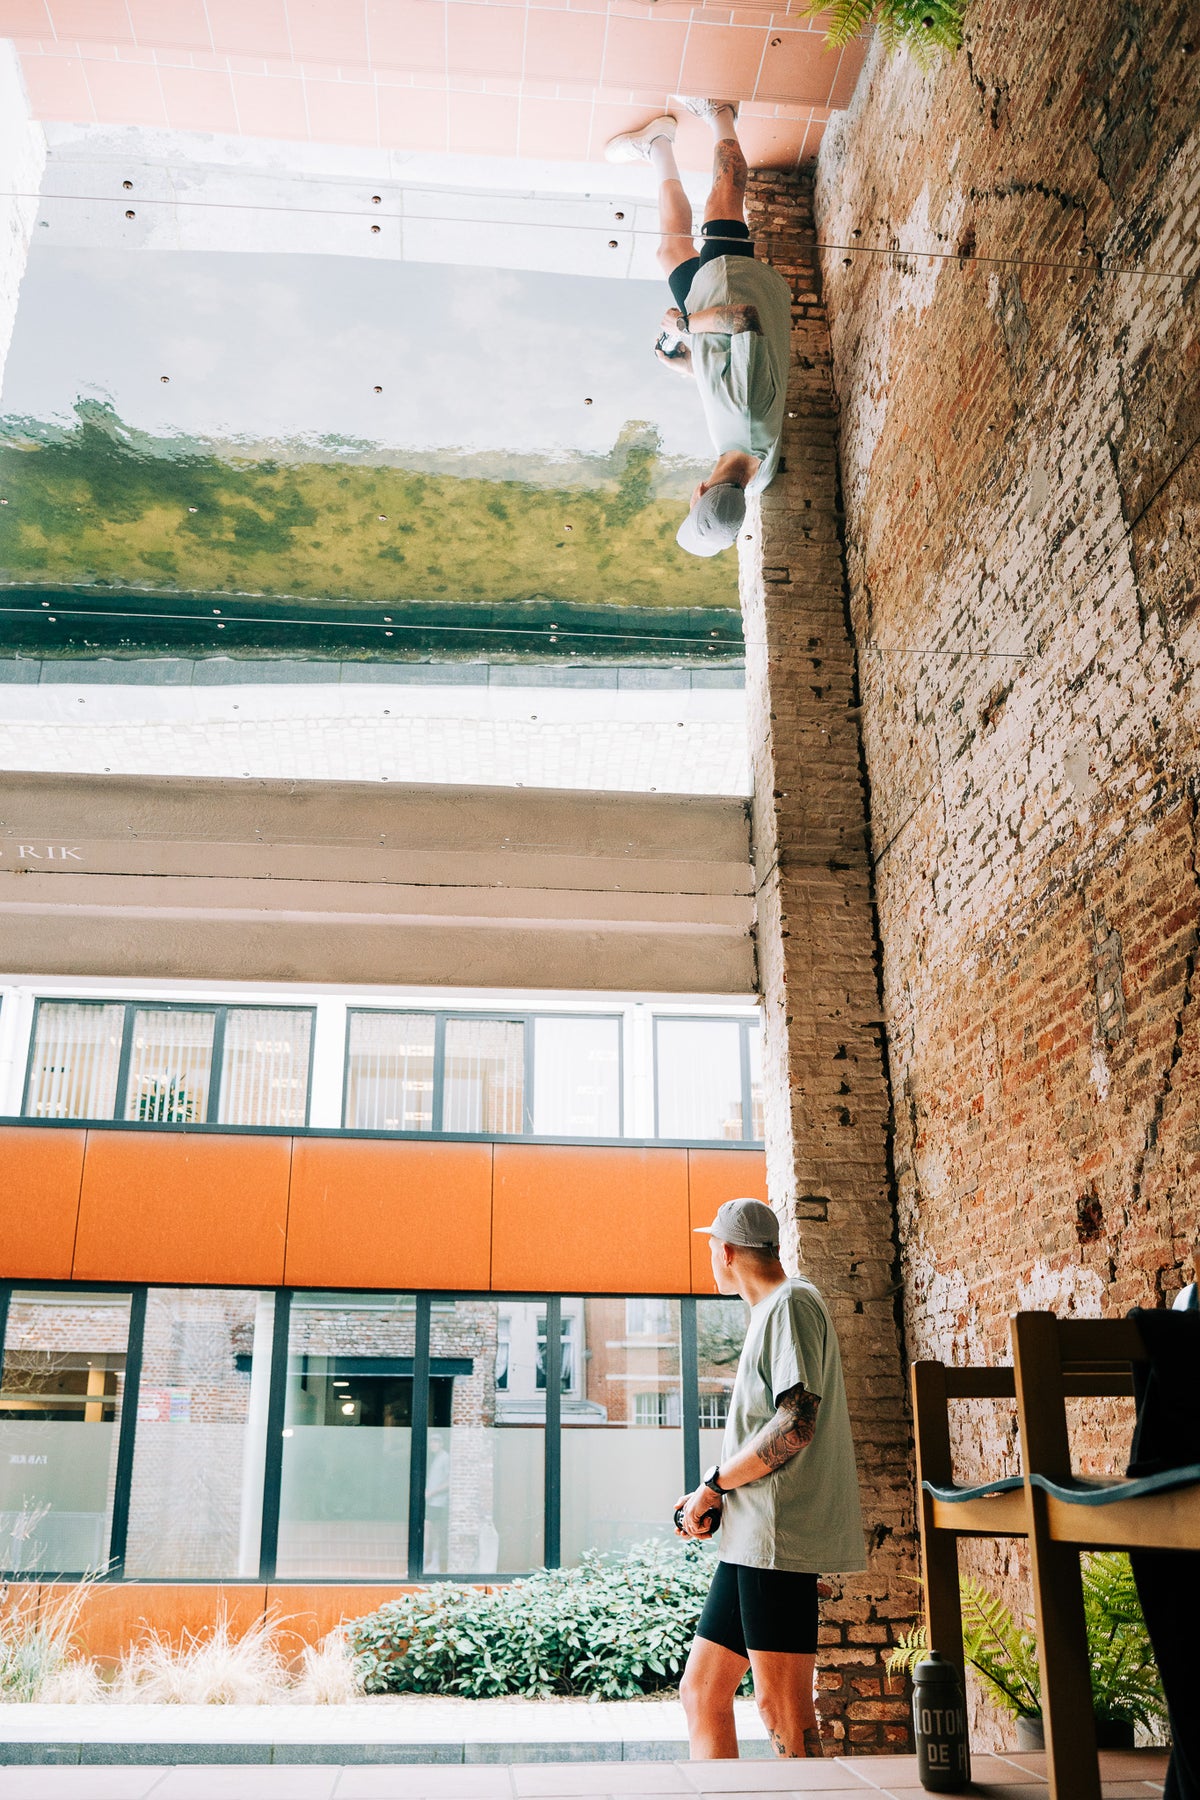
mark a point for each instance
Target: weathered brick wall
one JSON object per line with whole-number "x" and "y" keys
{"x": 827, "y": 1096}
{"x": 1018, "y": 444}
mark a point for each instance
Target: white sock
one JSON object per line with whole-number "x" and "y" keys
{"x": 662, "y": 159}
{"x": 724, "y": 125}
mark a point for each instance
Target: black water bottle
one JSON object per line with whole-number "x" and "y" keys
{"x": 940, "y": 1720}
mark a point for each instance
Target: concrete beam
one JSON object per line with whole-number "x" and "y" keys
{"x": 350, "y": 882}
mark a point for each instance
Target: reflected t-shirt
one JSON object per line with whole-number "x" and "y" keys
{"x": 805, "y": 1516}
{"x": 742, "y": 377}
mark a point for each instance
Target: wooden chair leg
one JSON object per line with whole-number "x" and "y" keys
{"x": 943, "y": 1604}
{"x": 1072, "y": 1760}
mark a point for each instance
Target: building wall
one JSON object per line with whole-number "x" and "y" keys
{"x": 825, "y": 1078}
{"x": 1021, "y": 479}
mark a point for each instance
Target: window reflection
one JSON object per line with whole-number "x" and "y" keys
{"x": 389, "y": 1072}
{"x": 348, "y": 1435}
{"x": 75, "y": 1061}
{"x": 196, "y": 1495}
{"x": 60, "y": 1411}
{"x": 485, "y": 1475}
{"x": 484, "y": 1084}
{"x": 622, "y": 1440}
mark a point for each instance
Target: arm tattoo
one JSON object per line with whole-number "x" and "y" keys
{"x": 790, "y": 1430}
{"x": 729, "y": 163}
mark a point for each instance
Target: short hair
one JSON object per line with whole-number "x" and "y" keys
{"x": 763, "y": 1257}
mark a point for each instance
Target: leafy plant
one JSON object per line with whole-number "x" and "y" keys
{"x": 166, "y": 1102}
{"x": 923, "y": 26}
{"x": 614, "y": 1627}
{"x": 1003, "y": 1651}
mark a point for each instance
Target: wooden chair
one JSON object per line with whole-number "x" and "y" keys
{"x": 1065, "y": 1513}
{"x": 948, "y": 1510}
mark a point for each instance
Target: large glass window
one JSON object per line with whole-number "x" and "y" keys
{"x": 159, "y": 1065}
{"x": 60, "y": 1414}
{"x": 577, "y": 1077}
{"x": 196, "y": 1495}
{"x": 389, "y": 1071}
{"x": 708, "y": 1079}
{"x": 484, "y": 1083}
{"x": 349, "y": 1437}
{"x": 170, "y": 1065}
{"x": 622, "y": 1437}
{"x": 75, "y": 1062}
{"x": 720, "y": 1333}
{"x": 347, "y": 1449}
{"x": 486, "y": 1468}
{"x": 264, "y": 1068}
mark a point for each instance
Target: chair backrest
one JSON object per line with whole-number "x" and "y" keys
{"x": 1059, "y": 1359}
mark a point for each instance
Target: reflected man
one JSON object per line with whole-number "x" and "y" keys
{"x": 730, "y": 327}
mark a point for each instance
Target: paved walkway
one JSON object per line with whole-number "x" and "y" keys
{"x": 1135, "y": 1775}
{"x": 391, "y": 1729}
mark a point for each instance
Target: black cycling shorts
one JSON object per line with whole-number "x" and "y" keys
{"x": 722, "y": 237}
{"x": 760, "y": 1609}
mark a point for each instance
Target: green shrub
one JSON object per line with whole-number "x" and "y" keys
{"x": 615, "y": 1627}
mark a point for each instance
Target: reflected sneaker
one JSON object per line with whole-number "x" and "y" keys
{"x": 705, "y": 109}
{"x": 634, "y": 146}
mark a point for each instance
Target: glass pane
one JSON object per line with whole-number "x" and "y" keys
{"x": 622, "y": 1441}
{"x": 171, "y": 1065}
{"x": 720, "y": 1333}
{"x": 196, "y": 1500}
{"x": 60, "y": 1409}
{"x": 76, "y": 1055}
{"x": 755, "y": 1039}
{"x": 347, "y": 1436}
{"x": 577, "y": 1077}
{"x": 264, "y": 1067}
{"x": 389, "y": 1077}
{"x": 485, "y": 1481}
{"x": 699, "y": 1068}
{"x": 485, "y": 1076}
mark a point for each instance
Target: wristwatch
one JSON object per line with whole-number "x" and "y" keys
{"x": 712, "y": 1479}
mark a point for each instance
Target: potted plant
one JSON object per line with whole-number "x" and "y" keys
{"x": 1002, "y": 1650}
{"x": 922, "y": 26}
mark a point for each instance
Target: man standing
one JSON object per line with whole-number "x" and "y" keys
{"x": 732, "y": 317}
{"x": 785, "y": 1497}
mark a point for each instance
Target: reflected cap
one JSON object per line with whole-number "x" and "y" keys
{"x": 748, "y": 1224}
{"x": 714, "y": 522}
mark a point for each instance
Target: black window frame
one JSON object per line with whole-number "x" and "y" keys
{"x": 220, "y": 1009}
{"x": 425, "y": 1301}
{"x": 745, "y": 1027}
{"x": 527, "y": 1019}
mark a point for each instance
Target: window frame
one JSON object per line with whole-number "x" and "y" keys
{"x": 425, "y": 1301}
{"x": 745, "y": 1027}
{"x": 220, "y": 1009}
{"x": 522, "y": 1016}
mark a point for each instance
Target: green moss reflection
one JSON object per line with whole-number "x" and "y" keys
{"x": 95, "y": 502}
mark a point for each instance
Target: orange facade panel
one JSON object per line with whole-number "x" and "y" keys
{"x": 181, "y": 1207}
{"x": 116, "y": 1614}
{"x": 40, "y": 1174}
{"x": 375, "y": 1213}
{"x": 715, "y": 1176}
{"x": 590, "y": 1220}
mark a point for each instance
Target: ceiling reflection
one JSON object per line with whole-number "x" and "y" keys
{"x": 352, "y": 434}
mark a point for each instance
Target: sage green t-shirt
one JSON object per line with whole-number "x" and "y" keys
{"x": 806, "y": 1516}
{"x": 743, "y": 378}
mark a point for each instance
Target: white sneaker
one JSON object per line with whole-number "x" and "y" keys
{"x": 705, "y": 109}
{"x": 634, "y": 146}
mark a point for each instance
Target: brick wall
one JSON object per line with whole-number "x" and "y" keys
{"x": 825, "y": 1077}
{"x": 1019, "y": 455}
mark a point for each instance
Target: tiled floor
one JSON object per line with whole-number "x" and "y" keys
{"x": 1126, "y": 1775}
{"x": 551, "y": 79}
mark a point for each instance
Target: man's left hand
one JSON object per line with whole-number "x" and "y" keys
{"x": 695, "y": 1507}
{"x": 672, "y": 320}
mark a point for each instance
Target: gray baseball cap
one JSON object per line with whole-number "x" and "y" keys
{"x": 746, "y": 1223}
{"x": 715, "y": 520}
